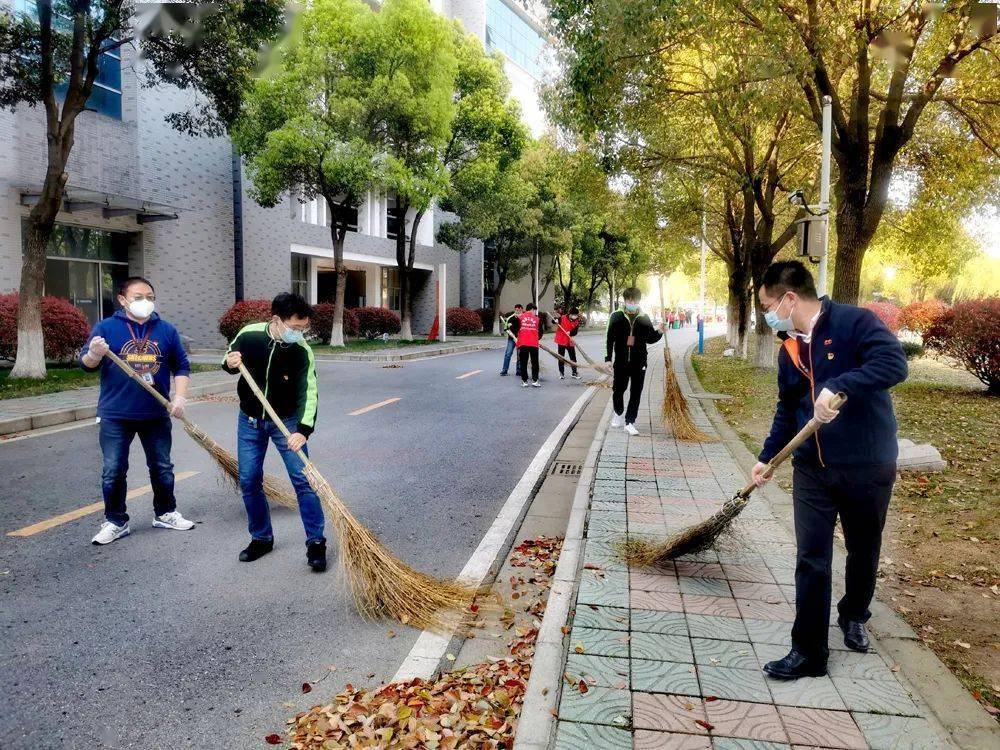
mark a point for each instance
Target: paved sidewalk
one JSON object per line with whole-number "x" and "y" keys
{"x": 34, "y": 412}
{"x": 670, "y": 658}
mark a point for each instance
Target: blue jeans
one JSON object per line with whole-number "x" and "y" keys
{"x": 252, "y": 437}
{"x": 116, "y": 437}
{"x": 511, "y": 346}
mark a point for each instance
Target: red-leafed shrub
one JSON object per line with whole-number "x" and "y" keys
{"x": 970, "y": 332}
{"x": 374, "y": 321}
{"x": 919, "y": 316}
{"x": 887, "y": 312}
{"x": 64, "y": 327}
{"x": 486, "y": 318}
{"x": 463, "y": 320}
{"x": 321, "y": 322}
{"x": 243, "y": 313}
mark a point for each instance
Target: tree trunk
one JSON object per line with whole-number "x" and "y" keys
{"x": 497, "y": 290}
{"x": 764, "y": 355}
{"x": 733, "y": 321}
{"x": 405, "y": 327}
{"x": 338, "y": 232}
{"x": 851, "y": 248}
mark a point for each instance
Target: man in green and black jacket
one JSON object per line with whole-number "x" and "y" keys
{"x": 281, "y": 362}
{"x": 629, "y": 331}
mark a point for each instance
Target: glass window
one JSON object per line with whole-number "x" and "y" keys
{"x": 352, "y": 217}
{"x": 512, "y": 35}
{"x": 392, "y": 218}
{"x": 85, "y": 243}
{"x": 300, "y": 275}
{"x": 390, "y": 288}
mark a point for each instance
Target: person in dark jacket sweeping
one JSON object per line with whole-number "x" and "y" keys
{"x": 281, "y": 362}
{"x": 629, "y": 333}
{"x": 152, "y": 347}
{"x": 509, "y": 323}
{"x": 848, "y": 468}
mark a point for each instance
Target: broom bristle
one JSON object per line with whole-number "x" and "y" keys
{"x": 693, "y": 539}
{"x": 675, "y": 409}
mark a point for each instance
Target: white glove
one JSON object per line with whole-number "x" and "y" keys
{"x": 177, "y": 406}
{"x": 98, "y": 347}
{"x": 822, "y": 411}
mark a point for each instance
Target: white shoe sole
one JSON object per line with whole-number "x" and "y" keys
{"x": 115, "y": 538}
{"x": 163, "y": 525}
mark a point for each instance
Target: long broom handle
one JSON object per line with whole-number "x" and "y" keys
{"x": 270, "y": 410}
{"x": 561, "y": 358}
{"x": 136, "y": 377}
{"x": 580, "y": 348}
{"x": 804, "y": 434}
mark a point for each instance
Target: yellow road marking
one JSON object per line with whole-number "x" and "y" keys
{"x": 86, "y": 510}
{"x": 372, "y": 407}
{"x": 468, "y": 374}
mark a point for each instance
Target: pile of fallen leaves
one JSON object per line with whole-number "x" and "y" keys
{"x": 472, "y": 707}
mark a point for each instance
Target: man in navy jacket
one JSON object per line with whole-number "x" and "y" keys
{"x": 152, "y": 347}
{"x": 848, "y": 468}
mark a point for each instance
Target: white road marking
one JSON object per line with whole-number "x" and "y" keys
{"x": 468, "y": 374}
{"x": 372, "y": 407}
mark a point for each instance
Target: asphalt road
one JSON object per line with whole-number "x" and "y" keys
{"x": 165, "y": 640}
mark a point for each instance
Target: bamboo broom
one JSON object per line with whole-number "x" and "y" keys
{"x": 603, "y": 368}
{"x": 382, "y": 584}
{"x": 561, "y": 358}
{"x": 274, "y": 488}
{"x": 701, "y": 536}
{"x": 675, "y": 409}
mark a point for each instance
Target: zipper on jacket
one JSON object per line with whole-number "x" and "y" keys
{"x": 812, "y": 384}
{"x": 267, "y": 376}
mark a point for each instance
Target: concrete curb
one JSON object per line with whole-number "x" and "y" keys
{"x": 422, "y": 353}
{"x": 935, "y": 690}
{"x": 537, "y": 720}
{"x": 75, "y": 414}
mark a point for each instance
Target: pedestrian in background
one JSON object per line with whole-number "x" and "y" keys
{"x": 528, "y": 337}
{"x": 281, "y": 362}
{"x": 566, "y": 328}
{"x": 629, "y": 333}
{"x": 506, "y": 323}
{"x": 152, "y": 347}
{"x": 847, "y": 469}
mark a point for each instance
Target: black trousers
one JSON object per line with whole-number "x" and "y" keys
{"x": 860, "y": 496}
{"x": 631, "y": 378}
{"x": 563, "y": 351}
{"x": 523, "y": 353}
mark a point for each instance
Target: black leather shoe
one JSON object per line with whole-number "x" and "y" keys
{"x": 794, "y": 666}
{"x": 316, "y": 556}
{"x": 256, "y": 550}
{"x": 855, "y": 635}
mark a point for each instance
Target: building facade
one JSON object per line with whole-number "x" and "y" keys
{"x": 144, "y": 199}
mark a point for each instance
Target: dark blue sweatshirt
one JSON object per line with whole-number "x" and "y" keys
{"x": 852, "y": 352}
{"x": 152, "y": 348}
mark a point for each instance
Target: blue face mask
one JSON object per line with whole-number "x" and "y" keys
{"x": 776, "y": 323}
{"x": 290, "y": 335}
{"x": 632, "y": 307}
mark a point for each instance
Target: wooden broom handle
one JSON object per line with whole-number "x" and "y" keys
{"x": 804, "y": 434}
{"x": 138, "y": 379}
{"x": 270, "y": 409}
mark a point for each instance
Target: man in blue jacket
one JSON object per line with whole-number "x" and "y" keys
{"x": 849, "y": 466}
{"x": 153, "y": 348}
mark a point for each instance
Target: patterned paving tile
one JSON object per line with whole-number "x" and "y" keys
{"x": 898, "y": 732}
{"x": 598, "y": 705}
{"x": 733, "y": 684}
{"x": 769, "y": 631}
{"x": 668, "y": 713}
{"x": 808, "y": 692}
{"x": 814, "y": 726}
{"x": 662, "y": 601}
{"x": 756, "y": 609}
{"x": 652, "y": 582}
{"x": 659, "y": 647}
{"x": 652, "y": 621}
{"x": 699, "y": 569}
{"x": 766, "y": 592}
{"x": 610, "y": 590}
{"x": 722, "y": 628}
{"x": 754, "y": 721}
{"x": 882, "y": 696}
{"x": 605, "y": 618}
{"x": 858, "y": 666}
{"x": 716, "y": 606}
{"x": 751, "y": 573}
{"x": 647, "y": 740}
{"x": 650, "y": 676}
{"x": 769, "y": 652}
{"x": 732, "y": 654}
{"x": 734, "y": 743}
{"x": 599, "y": 642}
{"x": 605, "y": 671}
{"x": 705, "y": 586}
{"x": 573, "y": 736}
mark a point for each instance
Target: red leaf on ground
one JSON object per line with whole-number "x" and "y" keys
{"x": 710, "y": 698}
{"x": 273, "y": 739}
{"x": 306, "y": 687}
{"x": 583, "y": 686}
{"x": 703, "y": 723}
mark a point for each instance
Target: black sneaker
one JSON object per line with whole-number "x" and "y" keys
{"x": 316, "y": 556}
{"x": 256, "y": 549}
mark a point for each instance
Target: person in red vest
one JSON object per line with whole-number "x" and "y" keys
{"x": 528, "y": 335}
{"x": 566, "y": 328}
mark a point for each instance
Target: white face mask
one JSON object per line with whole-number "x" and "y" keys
{"x": 141, "y": 308}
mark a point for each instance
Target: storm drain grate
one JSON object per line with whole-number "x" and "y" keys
{"x": 566, "y": 469}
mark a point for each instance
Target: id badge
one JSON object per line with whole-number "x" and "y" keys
{"x": 630, "y": 341}
{"x": 148, "y": 377}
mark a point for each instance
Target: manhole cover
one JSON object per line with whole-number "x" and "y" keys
{"x": 566, "y": 469}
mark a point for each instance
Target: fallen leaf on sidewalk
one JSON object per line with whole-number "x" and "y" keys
{"x": 582, "y": 686}
{"x": 963, "y": 644}
{"x": 703, "y": 723}
{"x": 306, "y": 687}
{"x": 273, "y": 739}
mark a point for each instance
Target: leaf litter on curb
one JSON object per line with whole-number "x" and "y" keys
{"x": 471, "y": 707}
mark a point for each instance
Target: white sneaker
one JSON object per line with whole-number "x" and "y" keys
{"x": 109, "y": 532}
{"x": 616, "y": 420}
{"x": 562, "y": 377}
{"x": 630, "y": 429}
{"x": 535, "y": 384}
{"x": 577, "y": 377}
{"x": 172, "y": 520}
{"x": 524, "y": 383}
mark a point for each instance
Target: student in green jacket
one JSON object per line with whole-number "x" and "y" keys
{"x": 280, "y": 360}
